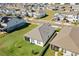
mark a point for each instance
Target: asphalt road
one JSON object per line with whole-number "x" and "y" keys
{"x": 44, "y": 21}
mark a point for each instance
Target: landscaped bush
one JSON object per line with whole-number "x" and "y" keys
{"x": 58, "y": 29}
{"x": 60, "y": 53}
{"x": 34, "y": 52}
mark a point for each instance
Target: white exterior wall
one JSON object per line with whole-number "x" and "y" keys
{"x": 35, "y": 42}
{"x": 30, "y": 14}
{"x": 71, "y": 18}
{"x": 68, "y": 53}
{"x": 39, "y": 15}
{"x": 60, "y": 49}
{"x": 75, "y": 7}
{"x": 40, "y": 43}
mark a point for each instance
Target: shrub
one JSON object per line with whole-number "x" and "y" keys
{"x": 60, "y": 53}
{"x": 34, "y": 52}
{"x": 58, "y": 29}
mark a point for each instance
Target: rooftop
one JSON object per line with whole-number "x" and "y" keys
{"x": 41, "y": 33}
{"x": 68, "y": 38}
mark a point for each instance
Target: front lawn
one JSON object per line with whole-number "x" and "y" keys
{"x": 14, "y": 43}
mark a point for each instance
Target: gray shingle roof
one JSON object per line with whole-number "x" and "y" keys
{"x": 41, "y": 33}
{"x": 68, "y": 38}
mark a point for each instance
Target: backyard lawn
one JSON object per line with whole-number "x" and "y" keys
{"x": 13, "y": 44}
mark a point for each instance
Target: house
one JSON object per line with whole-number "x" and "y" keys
{"x": 70, "y": 16}
{"x": 75, "y": 7}
{"x": 58, "y": 16}
{"x": 10, "y": 23}
{"x": 67, "y": 7}
{"x": 40, "y": 35}
{"x": 53, "y": 7}
{"x": 7, "y": 11}
{"x": 30, "y": 13}
{"x": 39, "y": 13}
{"x": 23, "y": 12}
{"x": 67, "y": 40}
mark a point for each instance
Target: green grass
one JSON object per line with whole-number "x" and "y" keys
{"x": 58, "y": 29}
{"x": 49, "y": 52}
{"x": 14, "y": 43}
{"x": 60, "y": 53}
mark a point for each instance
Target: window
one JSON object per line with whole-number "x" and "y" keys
{"x": 27, "y": 38}
{"x": 32, "y": 41}
{"x": 38, "y": 42}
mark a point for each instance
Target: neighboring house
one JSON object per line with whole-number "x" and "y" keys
{"x": 70, "y": 16}
{"x": 23, "y": 12}
{"x": 59, "y": 17}
{"x": 10, "y": 23}
{"x": 39, "y": 13}
{"x": 68, "y": 7}
{"x": 75, "y": 7}
{"x": 53, "y": 7}
{"x": 67, "y": 40}
{"x": 74, "y": 15}
{"x": 7, "y": 11}
{"x": 18, "y": 12}
{"x": 30, "y": 13}
{"x": 40, "y": 35}
{"x": 62, "y": 8}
